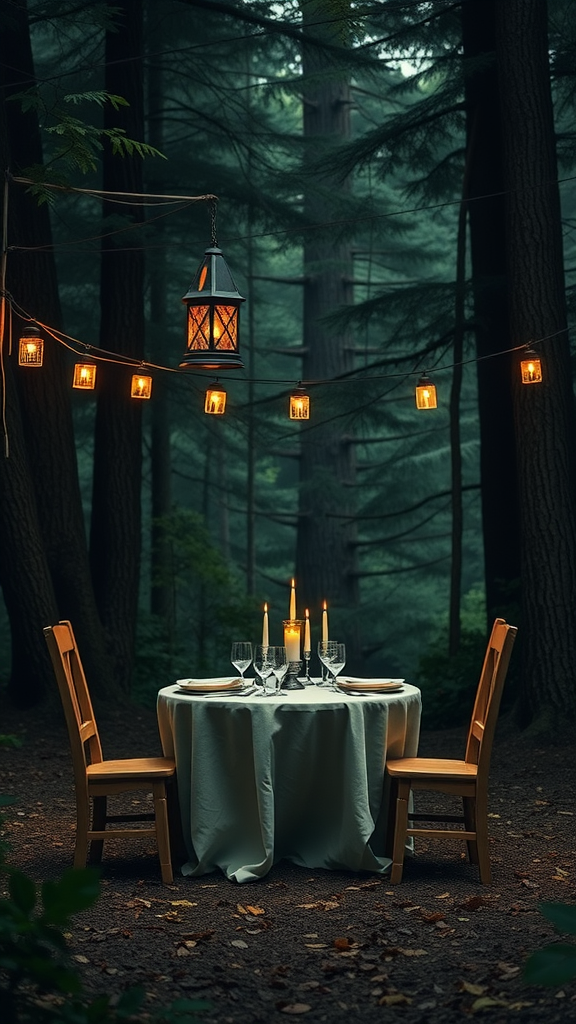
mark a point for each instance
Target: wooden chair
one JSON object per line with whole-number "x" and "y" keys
{"x": 95, "y": 779}
{"x": 467, "y": 779}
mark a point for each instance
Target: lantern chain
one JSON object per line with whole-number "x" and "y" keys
{"x": 213, "y": 211}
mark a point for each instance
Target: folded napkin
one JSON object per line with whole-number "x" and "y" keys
{"x": 378, "y": 685}
{"x": 219, "y": 683}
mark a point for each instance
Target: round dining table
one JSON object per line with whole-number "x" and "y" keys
{"x": 299, "y": 775}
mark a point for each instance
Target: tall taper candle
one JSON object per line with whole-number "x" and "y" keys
{"x": 265, "y": 640}
{"x": 307, "y": 646}
{"x": 324, "y": 622}
{"x": 293, "y": 600}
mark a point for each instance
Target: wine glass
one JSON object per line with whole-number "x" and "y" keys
{"x": 337, "y": 663}
{"x": 263, "y": 666}
{"x": 241, "y": 656}
{"x": 326, "y": 653}
{"x": 280, "y": 665}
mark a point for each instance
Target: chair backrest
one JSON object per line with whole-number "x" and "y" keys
{"x": 488, "y": 695}
{"x": 82, "y": 728}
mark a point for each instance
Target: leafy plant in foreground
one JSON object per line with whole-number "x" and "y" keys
{"x": 556, "y": 963}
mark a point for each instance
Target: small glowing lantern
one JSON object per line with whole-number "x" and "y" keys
{"x": 215, "y": 401}
{"x": 84, "y": 376}
{"x": 426, "y": 393}
{"x": 213, "y": 304}
{"x": 31, "y": 347}
{"x": 531, "y": 367}
{"x": 299, "y": 405}
{"x": 141, "y": 386}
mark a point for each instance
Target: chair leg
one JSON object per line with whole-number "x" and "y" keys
{"x": 469, "y": 804}
{"x": 82, "y": 826}
{"x": 400, "y": 828}
{"x": 162, "y": 831}
{"x": 482, "y": 838}
{"x": 177, "y": 843}
{"x": 98, "y": 825}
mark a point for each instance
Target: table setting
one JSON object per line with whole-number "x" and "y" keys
{"x": 275, "y": 763}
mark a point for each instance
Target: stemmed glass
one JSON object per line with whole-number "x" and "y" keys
{"x": 263, "y": 666}
{"x": 241, "y": 656}
{"x": 337, "y": 663}
{"x": 279, "y": 660}
{"x": 333, "y": 656}
{"x": 326, "y": 652}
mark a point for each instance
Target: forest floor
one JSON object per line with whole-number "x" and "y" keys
{"x": 325, "y": 945}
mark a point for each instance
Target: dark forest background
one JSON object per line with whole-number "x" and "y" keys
{"x": 395, "y": 186}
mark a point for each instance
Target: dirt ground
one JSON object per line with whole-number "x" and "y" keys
{"x": 325, "y": 945}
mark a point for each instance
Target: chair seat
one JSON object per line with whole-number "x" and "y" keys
{"x": 429, "y": 767}
{"x": 128, "y": 769}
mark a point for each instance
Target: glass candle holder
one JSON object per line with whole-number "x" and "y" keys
{"x": 293, "y": 633}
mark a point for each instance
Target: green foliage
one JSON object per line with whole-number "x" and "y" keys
{"x": 449, "y": 683}
{"x": 556, "y": 963}
{"x": 78, "y": 144}
{"x": 211, "y": 609}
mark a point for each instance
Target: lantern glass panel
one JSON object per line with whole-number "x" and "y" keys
{"x": 225, "y": 330}
{"x": 31, "y": 351}
{"x": 426, "y": 396}
{"x": 299, "y": 407}
{"x": 198, "y": 327}
{"x": 84, "y": 376}
{"x": 215, "y": 401}
{"x": 141, "y": 386}
{"x": 531, "y": 370}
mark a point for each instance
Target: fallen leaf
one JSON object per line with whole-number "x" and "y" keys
{"x": 294, "y": 1008}
{"x": 432, "y": 917}
{"x": 255, "y": 910}
{"x": 182, "y": 903}
{"x": 316, "y": 945}
{"x": 473, "y": 903}
{"x": 81, "y": 959}
{"x": 443, "y": 896}
{"x": 485, "y": 1001}
{"x": 342, "y": 943}
{"x": 474, "y": 990}
{"x": 239, "y": 943}
{"x": 394, "y": 999}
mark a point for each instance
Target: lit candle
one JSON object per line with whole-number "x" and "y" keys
{"x": 307, "y": 647}
{"x": 293, "y": 600}
{"x": 325, "y": 623}
{"x": 265, "y": 638}
{"x": 292, "y": 641}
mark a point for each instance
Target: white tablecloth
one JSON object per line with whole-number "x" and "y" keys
{"x": 299, "y": 776}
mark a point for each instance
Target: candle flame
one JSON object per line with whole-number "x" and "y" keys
{"x": 324, "y": 606}
{"x": 307, "y": 613}
{"x": 265, "y": 606}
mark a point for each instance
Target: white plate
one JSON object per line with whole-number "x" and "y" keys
{"x": 221, "y": 684}
{"x": 352, "y": 684}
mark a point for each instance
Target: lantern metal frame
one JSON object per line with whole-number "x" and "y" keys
{"x": 213, "y": 302}
{"x": 84, "y": 376}
{"x": 299, "y": 404}
{"x": 26, "y": 355}
{"x": 426, "y": 397}
{"x": 531, "y": 367}
{"x": 215, "y": 399}
{"x": 141, "y": 386}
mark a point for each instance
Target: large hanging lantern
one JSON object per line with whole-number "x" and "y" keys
{"x": 531, "y": 367}
{"x": 213, "y": 304}
{"x": 31, "y": 347}
{"x": 426, "y": 393}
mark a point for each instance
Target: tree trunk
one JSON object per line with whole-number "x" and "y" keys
{"x": 325, "y": 557}
{"x": 499, "y": 488}
{"x": 162, "y": 587}
{"x": 44, "y": 397}
{"x": 116, "y": 514}
{"x": 544, "y": 414}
